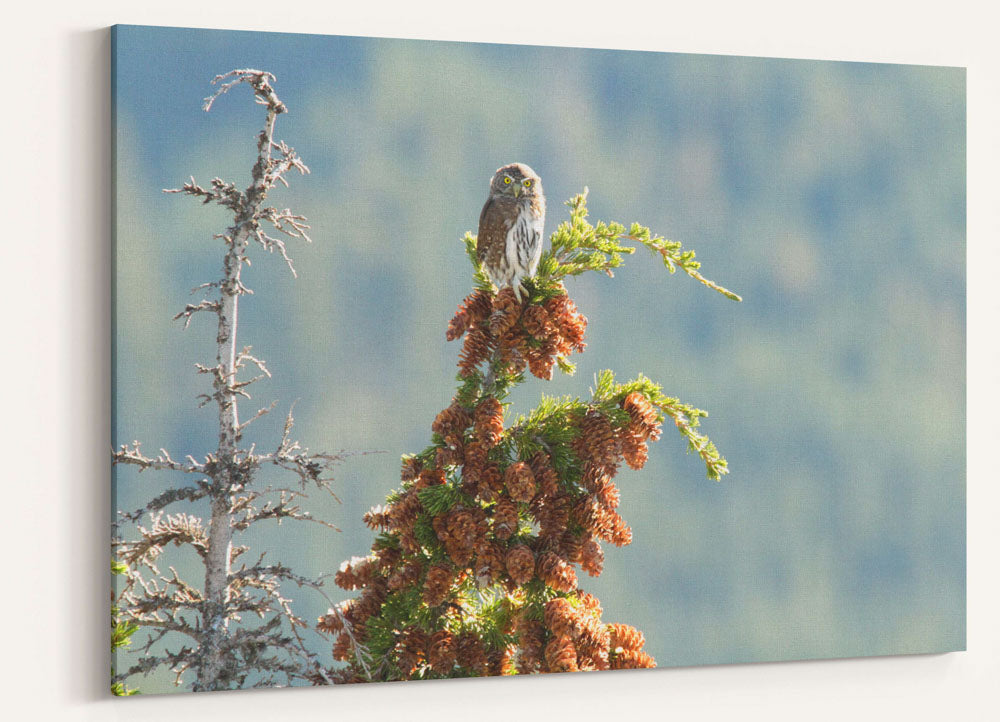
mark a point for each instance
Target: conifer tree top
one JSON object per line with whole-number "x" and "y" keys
{"x": 474, "y": 567}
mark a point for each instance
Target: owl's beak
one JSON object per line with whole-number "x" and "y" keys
{"x": 517, "y": 191}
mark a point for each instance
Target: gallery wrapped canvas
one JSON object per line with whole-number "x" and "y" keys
{"x": 324, "y": 473}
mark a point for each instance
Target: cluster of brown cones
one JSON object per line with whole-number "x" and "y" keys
{"x": 533, "y": 336}
{"x": 518, "y": 528}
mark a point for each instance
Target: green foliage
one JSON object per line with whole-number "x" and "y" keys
{"x": 439, "y": 499}
{"x": 551, "y": 426}
{"x": 424, "y": 532}
{"x": 121, "y": 636}
{"x": 479, "y": 277}
{"x": 468, "y": 390}
{"x": 577, "y": 246}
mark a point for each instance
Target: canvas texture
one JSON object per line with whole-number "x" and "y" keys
{"x": 477, "y": 469}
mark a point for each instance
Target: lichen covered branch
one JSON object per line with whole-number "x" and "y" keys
{"x": 228, "y": 649}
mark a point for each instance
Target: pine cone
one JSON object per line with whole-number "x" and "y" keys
{"x": 592, "y": 644}
{"x": 635, "y": 450}
{"x": 408, "y": 542}
{"x": 369, "y": 603}
{"x": 376, "y": 518}
{"x": 589, "y": 602}
{"x": 554, "y": 571}
{"x": 461, "y": 526}
{"x": 571, "y": 547}
{"x": 355, "y": 573}
{"x": 475, "y": 460}
{"x": 644, "y": 415}
{"x": 594, "y": 476}
{"x": 614, "y": 529}
{"x": 504, "y": 518}
{"x": 490, "y": 482}
{"x": 560, "y": 655}
{"x": 540, "y": 363}
{"x": 521, "y": 564}
{"x": 592, "y": 558}
{"x": 479, "y": 305}
{"x": 343, "y": 649}
{"x": 490, "y": 564}
{"x": 537, "y": 323}
{"x": 430, "y": 477}
{"x": 476, "y": 307}
{"x": 531, "y": 641}
{"x": 410, "y": 468}
{"x": 458, "y": 325}
{"x": 453, "y": 420}
{"x": 506, "y": 311}
{"x": 387, "y": 557}
{"x": 632, "y": 660}
{"x": 592, "y": 660}
{"x": 458, "y": 531}
{"x": 412, "y": 649}
{"x": 450, "y": 455}
{"x": 460, "y": 554}
{"x": 470, "y": 652}
{"x": 626, "y": 637}
{"x": 557, "y": 306}
{"x": 437, "y": 585}
{"x": 403, "y": 514}
{"x": 553, "y": 516}
{"x": 500, "y": 661}
{"x": 571, "y": 325}
{"x": 561, "y": 618}
{"x": 589, "y": 514}
{"x": 598, "y": 443}
{"x": 593, "y": 635}
{"x": 406, "y": 576}
{"x": 331, "y": 622}
{"x": 513, "y": 348}
{"x": 545, "y": 476}
{"x": 489, "y": 421}
{"x": 520, "y": 482}
{"x": 441, "y": 653}
{"x": 506, "y": 665}
{"x": 476, "y": 349}
{"x": 607, "y": 494}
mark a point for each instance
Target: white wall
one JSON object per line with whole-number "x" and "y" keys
{"x": 54, "y": 297}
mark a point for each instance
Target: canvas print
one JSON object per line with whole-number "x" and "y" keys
{"x": 414, "y": 358}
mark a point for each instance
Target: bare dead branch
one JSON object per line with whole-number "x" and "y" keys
{"x": 170, "y": 496}
{"x": 192, "y": 308}
{"x": 260, "y": 412}
{"x": 133, "y": 455}
{"x": 176, "y": 529}
{"x": 226, "y": 650}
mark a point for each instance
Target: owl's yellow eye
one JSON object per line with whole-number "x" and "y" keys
{"x": 527, "y": 184}
{"x": 506, "y": 180}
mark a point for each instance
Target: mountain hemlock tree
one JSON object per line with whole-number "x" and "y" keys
{"x": 200, "y": 626}
{"x": 474, "y": 567}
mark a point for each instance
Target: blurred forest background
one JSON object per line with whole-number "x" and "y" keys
{"x": 831, "y": 196}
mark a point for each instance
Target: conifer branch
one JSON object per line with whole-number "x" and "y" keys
{"x": 578, "y": 246}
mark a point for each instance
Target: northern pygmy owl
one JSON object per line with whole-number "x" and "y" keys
{"x": 510, "y": 238}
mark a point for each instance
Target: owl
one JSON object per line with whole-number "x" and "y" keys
{"x": 510, "y": 237}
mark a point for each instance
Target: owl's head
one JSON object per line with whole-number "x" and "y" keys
{"x": 516, "y": 180}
